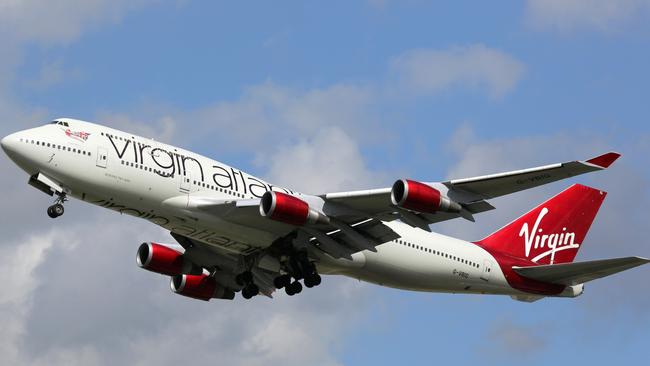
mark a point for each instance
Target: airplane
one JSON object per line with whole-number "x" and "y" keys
{"x": 236, "y": 233}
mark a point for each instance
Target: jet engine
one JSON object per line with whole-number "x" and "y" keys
{"x": 421, "y": 197}
{"x": 291, "y": 210}
{"x": 164, "y": 260}
{"x": 202, "y": 287}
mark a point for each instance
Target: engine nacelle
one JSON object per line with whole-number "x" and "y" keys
{"x": 421, "y": 197}
{"x": 289, "y": 209}
{"x": 164, "y": 260}
{"x": 201, "y": 287}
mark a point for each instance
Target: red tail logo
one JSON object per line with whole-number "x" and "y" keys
{"x": 553, "y": 231}
{"x": 534, "y": 239}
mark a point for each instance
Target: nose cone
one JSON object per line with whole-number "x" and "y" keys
{"x": 5, "y": 143}
{"x": 8, "y": 144}
{"x": 15, "y": 147}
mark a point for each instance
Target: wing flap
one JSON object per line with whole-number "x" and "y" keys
{"x": 575, "y": 273}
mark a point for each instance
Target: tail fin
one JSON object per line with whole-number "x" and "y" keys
{"x": 551, "y": 232}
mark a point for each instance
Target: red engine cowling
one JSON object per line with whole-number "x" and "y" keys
{"x": 289, "y": 209}
{"x": 201, "y": 287}
{"x": 164, "y": 260}
{"x": 421, "y": 197}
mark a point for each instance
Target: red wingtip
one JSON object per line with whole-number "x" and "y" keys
{"x": 605, "y": 160}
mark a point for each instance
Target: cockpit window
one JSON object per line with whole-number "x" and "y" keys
{"x": 61, "y": 123}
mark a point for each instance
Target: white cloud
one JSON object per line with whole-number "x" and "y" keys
{"x": 570, "y": 15}
{"x": 475, "y": 67}
{"x": 162, "y": 128}
{"x": 324, "y": 162}
{"x": 73, "y": 300}
{"x": 58, "y": 21}
{"x": 51, "y": 74}
{"x": 17, "y": 264}
{"x": 269, "y": 115}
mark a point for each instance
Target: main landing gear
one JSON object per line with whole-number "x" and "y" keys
{"x": 297, "y": 267}
{"x": 250, "y": 289}
{"x": 57, "y": 209}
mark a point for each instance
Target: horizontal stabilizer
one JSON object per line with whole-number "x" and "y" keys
{"x": 575, "y": 273}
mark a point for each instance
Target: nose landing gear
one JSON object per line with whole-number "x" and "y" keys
{"x": 57, "y": 209}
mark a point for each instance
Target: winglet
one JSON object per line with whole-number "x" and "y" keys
{"x": 605, "y": 160}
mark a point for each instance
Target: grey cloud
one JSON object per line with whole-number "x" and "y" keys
{"x": 572, "y": 15}
{"x": 510, "y": 338}
{"x": 60, "y": 21}
{"x": 51, "y": 74}
{"x": 475, "y": 67}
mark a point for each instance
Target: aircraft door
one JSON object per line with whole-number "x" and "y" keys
{"x": 102, "y": 157}
{"x": 185, "y": 183}
{"x": 487, "y": 270}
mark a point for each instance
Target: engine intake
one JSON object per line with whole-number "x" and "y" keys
{"x": 291, "y": 210}
{"x": 420, "y": 197}
{"x": 164, "y": 260}
{"x": 201, "y": 287}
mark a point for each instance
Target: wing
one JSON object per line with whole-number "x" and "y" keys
{"x": 495, "y": 185}
{"x": 579, "y": 272}
{"x": 471, "y": 193}
{"x": 344, "y": 233}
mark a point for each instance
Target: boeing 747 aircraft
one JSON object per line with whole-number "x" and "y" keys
{"x": 238, "y": 233}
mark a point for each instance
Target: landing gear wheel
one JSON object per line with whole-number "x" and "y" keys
{"x": 282, "y": 281}
{"x": 289, "y": 290}
{"x": 312, "y": 280}
{"x": 316, "y": 279}
{"x": 250, "y": 291}
{"x": 55, "y": 211}
{"x": 253, "y": 289}
{"x": 296, "y": 288}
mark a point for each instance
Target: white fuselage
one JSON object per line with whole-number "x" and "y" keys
{"x": 145, "y": 178}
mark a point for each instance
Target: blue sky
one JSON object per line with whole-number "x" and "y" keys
{"x": 324, "y": 98}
